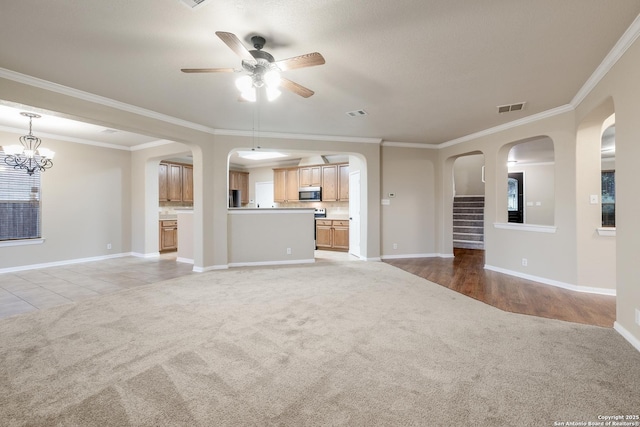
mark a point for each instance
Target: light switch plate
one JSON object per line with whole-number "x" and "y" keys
{"x": 593, "y": 199}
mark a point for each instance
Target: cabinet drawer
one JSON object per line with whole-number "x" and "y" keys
{"x": 168, "y": 223}
{"x": 342, "y": 222}
{"x": 323, "y": 222}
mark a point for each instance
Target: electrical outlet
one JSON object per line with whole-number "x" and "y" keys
{"x": 395, "y": 246}
{"x": 593, "y": 199}
{"x": 637, "y": 317}
{"x": 524, "y": 262}
{"x": 288, "y": 251}
{"x": 108, "y": 245}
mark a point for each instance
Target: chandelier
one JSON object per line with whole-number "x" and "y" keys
{"x": 29, "y": 155}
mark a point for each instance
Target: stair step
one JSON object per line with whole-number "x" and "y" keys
{"x": 469, "y": 230}
{"x": 468, "y": 237}
{"x": 468, "y": 223}
{"x": 468, "y": 245}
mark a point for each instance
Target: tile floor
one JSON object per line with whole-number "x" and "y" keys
{"x": 26, "y": 291}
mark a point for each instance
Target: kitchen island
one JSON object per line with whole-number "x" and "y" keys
{"x": 270, "y": 236}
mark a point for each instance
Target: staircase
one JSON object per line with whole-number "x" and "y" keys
{"x": 468, "y": 222}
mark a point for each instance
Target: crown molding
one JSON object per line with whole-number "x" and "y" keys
{"x": 516, "y": 123}
{"x": 410, "y": 145}
{"x": 107, "y": 102}
{"x": 68, "y": 139}
{"x": 311, "y": 137}
{"x": 619, "y": 49}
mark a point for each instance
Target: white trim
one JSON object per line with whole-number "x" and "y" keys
{"x": 400, "y": 256}
{"x": 149, "y": 255}
{"x": 263, "y": 263}
{"x": 108, "y": 102}
{"x": 261, "y": 211}
{"x": 410, "y": 145}
{"x": 213, "y": 267}
{"x": 68, "y": 139}
{"x": 606, "y": 231}
{"x": 526, "y": 227}
{"x": 152, "y": 144}
{"x": 21, "y": 242}
{"x": 627, "y": 335}
{"x": 446, "y": 255}
{"x": 624, "y": 43}
{"x": 61, "y": 263}
{"x": 520, "y": 122}
{"x": 556, "y": 283}
{"x": 297, "y": 136}
{"x": 184, "y": 260}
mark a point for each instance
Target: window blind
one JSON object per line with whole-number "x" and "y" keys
{"x": 19, "y": 203}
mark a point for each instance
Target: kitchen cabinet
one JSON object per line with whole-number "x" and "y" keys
{"x": 285, "y": 185}
{"x": 239, "y": 180}
{"x": 330, "y": 183}
{"x": 175, "y": 182}
{"x": 310, "y": 176}
{"x": 343, "y": 182}
{"x": 187, "y": 183}
{"x": 332, "y": 234}
{"x": 168, "y": 235}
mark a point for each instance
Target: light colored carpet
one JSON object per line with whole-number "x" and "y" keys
{"x": 346, "y": 343}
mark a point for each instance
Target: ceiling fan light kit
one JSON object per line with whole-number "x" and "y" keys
{"x": 263, "y": 70}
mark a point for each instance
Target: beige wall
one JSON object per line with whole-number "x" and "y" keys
{"x": 86, "y": 204}
{"x": 555, "y": 256}
{"x": 467, "y": 175}
{"x": 539, "y": 192}
{"x": 409, "y": 219}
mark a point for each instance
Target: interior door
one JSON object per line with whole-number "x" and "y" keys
{"x": 515, "y": 197}
{"x": 354, "y": 213}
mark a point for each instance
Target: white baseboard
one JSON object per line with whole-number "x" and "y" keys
{"x": 184, "y": 260}
{"x": 62, "y": 263}
{"x": 149, "y": 255}
{"x": 627, "y": 335}
{"x": 563, "y": 285}
{"x": 264, "y": 263}
{"x": 211, "y": 268}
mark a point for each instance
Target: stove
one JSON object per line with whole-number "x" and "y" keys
{"x": 320, "y": 213}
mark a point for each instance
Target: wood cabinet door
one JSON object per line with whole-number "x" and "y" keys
{"x": 279, "y": 185}
{"x": 329, "y": 183}
{"x": 175, "y": 183}
{"x": 168, "y": 235}
{"x": 187, "y": 184}
{"x": 311, "y": 176}
{"x": 243, "y": 180}
{"x": 341, "y": 235}
{"x": 343, "y": 183}
{"x": 293, "y": 184}
{"x": 324, "y": 234}
{"x": 163, "y": 182}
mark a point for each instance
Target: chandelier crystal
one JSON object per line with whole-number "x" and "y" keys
{"x": 29, "y": 155}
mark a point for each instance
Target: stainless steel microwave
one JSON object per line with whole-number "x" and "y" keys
{"x": 310, "y": 194}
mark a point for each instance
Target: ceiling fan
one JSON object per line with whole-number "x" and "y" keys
{"x": 263, "y": 69}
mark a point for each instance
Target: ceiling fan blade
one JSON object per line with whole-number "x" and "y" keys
{"x": 296, "y": 88}
{"x": 307, "y": 60}
{"x": 207, "y": 70}
{"x": 235, "y": 45}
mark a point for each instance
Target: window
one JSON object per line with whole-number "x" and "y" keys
{"x": 19, "y": 203}
{"x": 608, "y": 198}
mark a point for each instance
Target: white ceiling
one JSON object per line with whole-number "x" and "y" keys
{"x": 425, "y": 71}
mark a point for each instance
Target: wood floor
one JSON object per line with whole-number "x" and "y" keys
{"x": 465, "y": 274}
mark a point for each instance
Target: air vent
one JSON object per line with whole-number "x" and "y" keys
{"x": 513, "y": 107}
{"x": 193, "y": 4}
{"x": 356, "y": 113}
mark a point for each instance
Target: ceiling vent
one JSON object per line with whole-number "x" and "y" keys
{"x": 194, "y": 4}
{"x": 513, "y": 107}
{"x": 356, "y": 113}
{"x": 108, "y": 131}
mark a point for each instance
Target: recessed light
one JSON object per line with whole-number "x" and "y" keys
{"x": 356, "y": 113}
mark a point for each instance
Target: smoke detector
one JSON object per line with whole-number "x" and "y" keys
{"x": 194, "y": 4}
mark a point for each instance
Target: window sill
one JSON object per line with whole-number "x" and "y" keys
{"x": 607, "y": 231}
{"x": 7, "y": 243}
{"x": 526, "y": 227}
